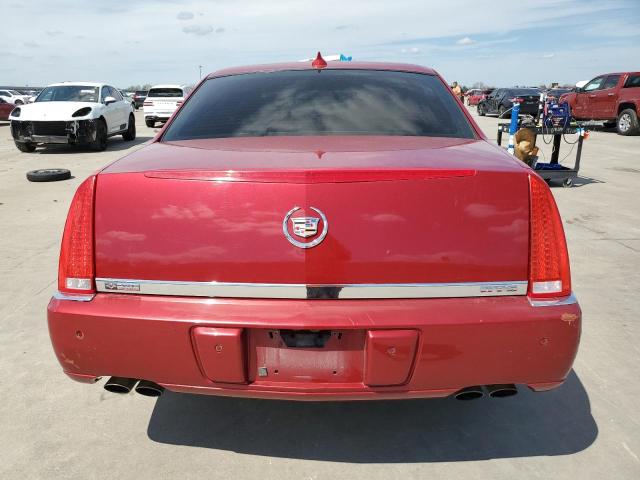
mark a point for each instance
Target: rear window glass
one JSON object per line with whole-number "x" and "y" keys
{"x": 632, "y": 81}
{"x": 329, "y": 102}
{"x": 524, "y": 91}
{"x": 165, "y": 92}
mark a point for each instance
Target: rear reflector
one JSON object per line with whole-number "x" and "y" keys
{"x": 148, "y": 104}
{"x": 549, "y": 273}
{"x": 76, "y": 268}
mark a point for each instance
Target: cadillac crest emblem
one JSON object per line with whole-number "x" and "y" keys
{"x": 305, "y": 227}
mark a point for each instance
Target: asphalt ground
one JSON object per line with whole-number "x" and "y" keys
{"x": 51, "y": 427}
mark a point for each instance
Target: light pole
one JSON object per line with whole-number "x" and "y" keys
{"x": 200, "y": 67}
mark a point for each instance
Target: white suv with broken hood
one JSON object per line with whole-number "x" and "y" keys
{"x": 83, "y": 113}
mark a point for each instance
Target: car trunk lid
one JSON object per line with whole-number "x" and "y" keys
{"x": 414, "y": 215}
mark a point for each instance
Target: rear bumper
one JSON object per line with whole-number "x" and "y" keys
{"x": 217, "y": 346}
{"x": 157, "y": 118}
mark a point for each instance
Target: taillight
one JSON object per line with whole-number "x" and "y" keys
{"x": 76, "y": 270}
{"x": 178, "y": 103}
{"x": 549, "y": 273}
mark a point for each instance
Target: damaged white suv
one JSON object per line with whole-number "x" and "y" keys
{"x": 79, "y": 113}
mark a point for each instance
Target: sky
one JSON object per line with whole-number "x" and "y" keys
{"x": 130, "y": 42}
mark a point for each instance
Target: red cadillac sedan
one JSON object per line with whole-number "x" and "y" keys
{"x": 317, "y": 232}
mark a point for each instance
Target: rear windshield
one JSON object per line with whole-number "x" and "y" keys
{"x": 141, "y": 92}
{"x": 328, "y": 102}
{"x": 165, "y": 92}
{"x": 524, "y": 91}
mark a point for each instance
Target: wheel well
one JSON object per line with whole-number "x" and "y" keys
{"x": 624, "y": 106}
{"x": 106, "y": 126}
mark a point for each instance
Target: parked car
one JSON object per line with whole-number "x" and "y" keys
{"x": 29, "y": 93}
{"x": 501, "y": 100}
{"x": 74, "y": 113}
{"x": 477, "y": 94}
{"x": 471, "y": 92}
{"x": 296, "y": 232}
{"x": 613, "y": 98}
{"x": 128, "y": 96}
{"x": 32, "y": 95}
{"x": 5, "y": 109}
{"x": 138, "y": 98}
{"x": 161, "y": 102}
{"x": 14, "y": 97}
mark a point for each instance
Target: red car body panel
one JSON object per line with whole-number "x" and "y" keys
{"x": 149, "y": 242}
{"x": 402, "y": 211}
{"x": 275, "y": 67}
{"x": 605, "y": 103}
{"x": 461, "y": 342}
{"x": 5, "y": 110}
{"x": 477, "y": 95}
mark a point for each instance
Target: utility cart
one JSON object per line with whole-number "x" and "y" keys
{"x": 553, "y": 170}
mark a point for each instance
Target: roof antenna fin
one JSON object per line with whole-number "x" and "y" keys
{"x": 319, "y": 62}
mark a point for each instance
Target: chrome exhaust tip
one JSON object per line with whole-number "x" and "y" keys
{"x": 120, "y": 384}
{"x": 502, "y": 390}
{"x": 149, "y": 389}
{"x": 469, "y": 393}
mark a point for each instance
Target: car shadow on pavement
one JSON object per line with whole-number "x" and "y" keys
{"x": 558, "y": 422}
{"x": 113, "y": 145}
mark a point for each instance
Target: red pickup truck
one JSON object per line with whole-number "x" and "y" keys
{"x": 613, "y": 97}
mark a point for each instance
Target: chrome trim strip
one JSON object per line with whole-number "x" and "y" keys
{"x": 301, "y": 291}
{"x": 76, "y": 298}
{"x": 555, "y": 302}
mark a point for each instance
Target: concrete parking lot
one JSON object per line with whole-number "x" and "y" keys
{"x": 51, "y": 427}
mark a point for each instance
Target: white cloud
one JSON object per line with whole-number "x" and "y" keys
{"x": 185, "y": 15}
{"x": 199, "y": 30}
{"x": 465, "y": 41}
{"x": 262, "y": 32}
{"x": 413, "y": 50}
{"x": 548, "y": 55}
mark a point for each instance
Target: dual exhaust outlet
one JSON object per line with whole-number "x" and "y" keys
{"x": 125, "y": 385}
{"x": 494, "y": 391}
